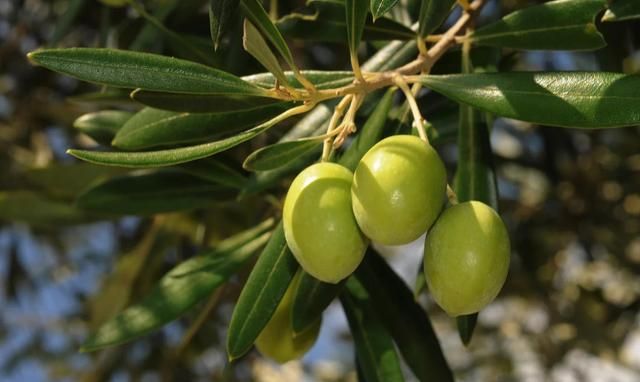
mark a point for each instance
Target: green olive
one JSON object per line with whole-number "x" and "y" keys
{"x": 398, "y": 189}
{"x": 277, "y": 340}
{"x": 466, "y": 258}
{"x": 319, "y": 225}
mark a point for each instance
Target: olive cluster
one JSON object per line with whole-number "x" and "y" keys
{"x": 396, "y": 194}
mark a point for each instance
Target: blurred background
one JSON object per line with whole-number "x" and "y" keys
{"x": 571, "y": 200}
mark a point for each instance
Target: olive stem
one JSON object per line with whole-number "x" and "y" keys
{"x": 333, "y": 123}
{"x": 452, "y": 196}
{"x": 418, "y": 119}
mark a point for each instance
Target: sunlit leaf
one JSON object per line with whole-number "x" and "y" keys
{"x": 555, "y": 25}
{"x": 254, "y": 11}
{"x": 256, "y": 46}
{"x": 260, "y": 296}
{"x": 571, "y": 99}
{"x": 179, "y": 290}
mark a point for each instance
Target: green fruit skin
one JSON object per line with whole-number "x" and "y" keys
{"x": 398, "y": 190}
{"x": 466, "y": 258}
{"x": 277, "y": 340}
{"x": 319, "y": 225}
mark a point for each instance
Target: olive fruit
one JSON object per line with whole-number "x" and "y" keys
{"x": 319, "y": 225}
{"x": 466, "y": 258}
{"x": 277, "y": 340}
{"x": 398, "y": 189}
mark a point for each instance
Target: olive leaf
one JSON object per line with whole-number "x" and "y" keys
{"x": 120, "y": 68}
{"x": 255, "y": 45}
{"x": 569, "y": 99}
{"x": 153, "y": 127}
{"x": 279, "y": 154}
{"x": 254, "y": 11}
{"x": 202, "y": 103}
{"x": 556, "y": 25}
{"x": 375, "y": 351}
{"x": 215, "y": 171}
{"x": 170, "y": 157}
{"x": 356, "y": 16}
{"x": 380, "y": 7}
{"x": 405, "y": 320}
{"x": 432, "y": 14}
{"x": 620, "y": 10}
{"x": 220, "y": 17}
{"x": 103, "y": 125}
{"x": 180, "y": 289}
{"x": 311, "y": 298}
{"x": 261, "y": 294}
{"x": 329, "y": 24}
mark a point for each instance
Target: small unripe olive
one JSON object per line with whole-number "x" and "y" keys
{"x": 398, "y": 189}
{"x": 466, "y": 258}
{"x": 319, "y": 225}
{"x": 277, "y": 340}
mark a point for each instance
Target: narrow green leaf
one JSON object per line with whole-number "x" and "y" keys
{"x": 153, "y": 127}
{"x": 375, "y": 350}
{"x": 620, "y": 10}
{"x": 256, "y": 46}
{"x": 254, "y": 11}
{"x": 220, "y": 17}
{"x": 169, "y": 157}
{"x": 432, "y": 14}
{"x": 179, "y": 290}
{"x": 147, "y": 71}
{"x": 311, "y": 299}
{"x": 331, "y": 26}
{"x": 148, "y": 194}
{"x": 260, "y": 296}
{"x": 570, "y": 99}
{"x": 201, "y": 103}
{"x": 380, "y": 7}
{"x": 555, "y": 25}
{"x": 103, "y": 125}
{"x": 319, "y": 78}
{"x": 405, "y": 320}
{"x": 279, "y": 154}
{"x": 215, "y": 171}
{"x": 356, "y": 13}
{"x": 370, "y": 133}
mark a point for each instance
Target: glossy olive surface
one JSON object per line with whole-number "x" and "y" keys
{"x": 277, "y": 340}
{"x": 319, "y": 225}
{"x": 466, "y": 258}
{"x": 398, "y": 190}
